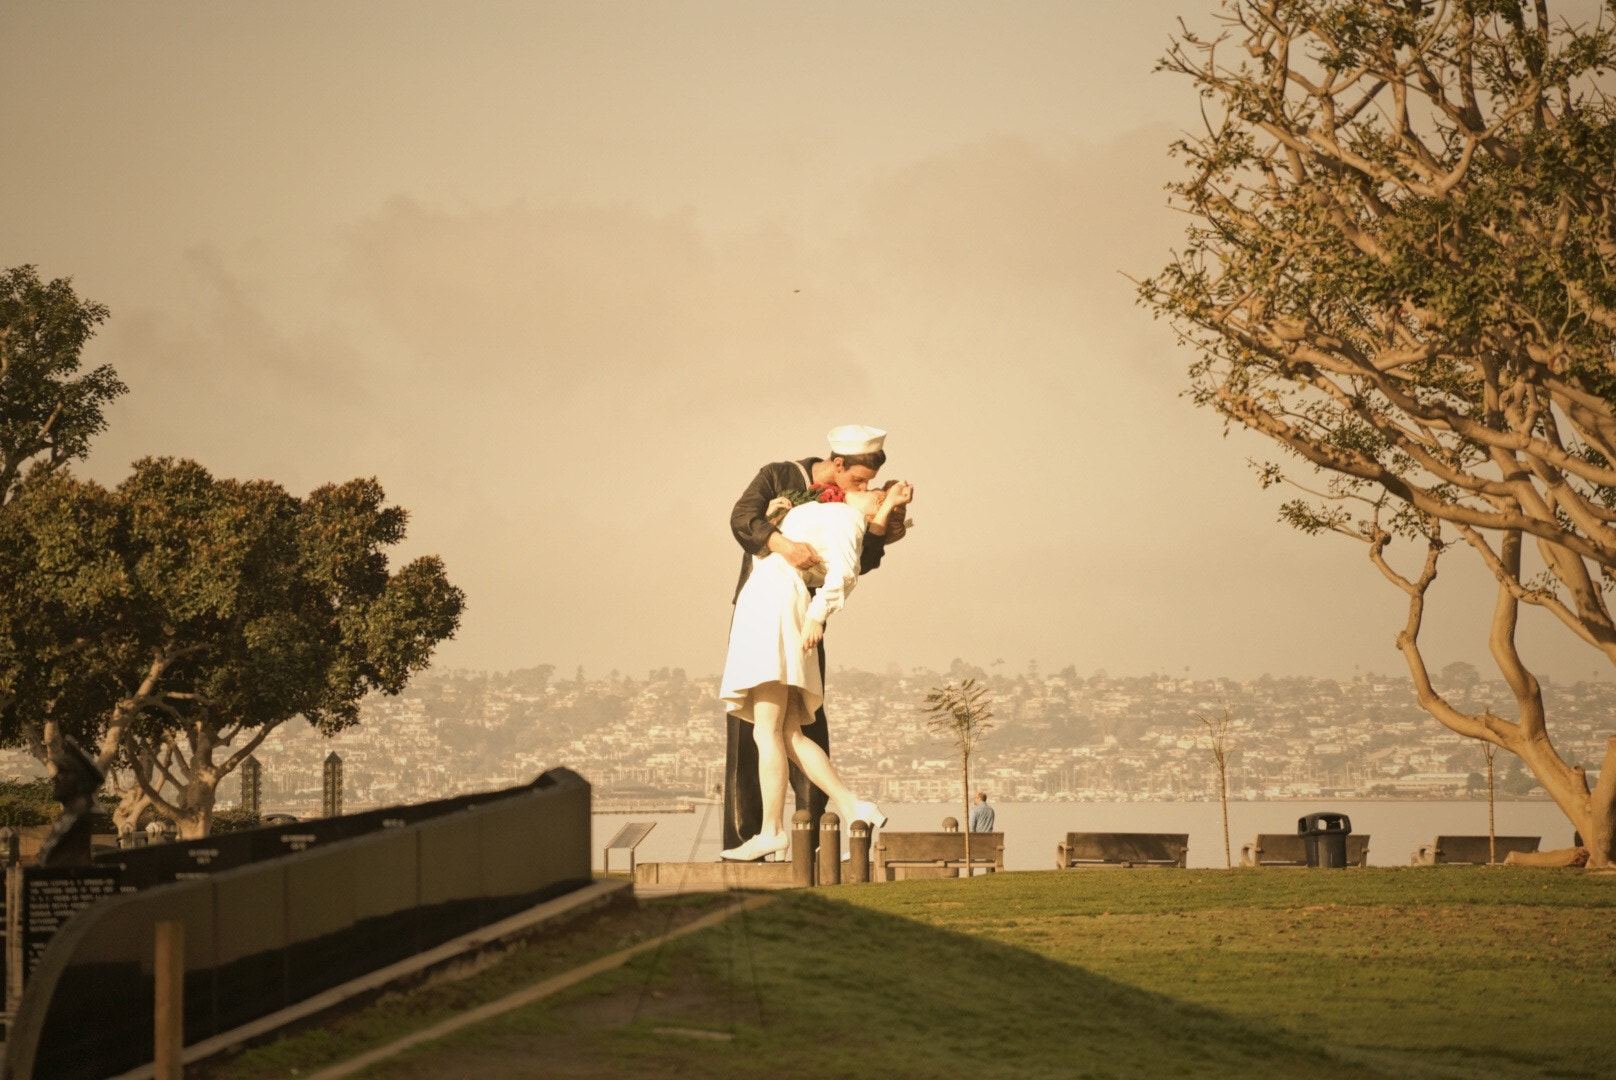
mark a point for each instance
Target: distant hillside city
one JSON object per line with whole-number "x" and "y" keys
{"x": 659, "y": 740}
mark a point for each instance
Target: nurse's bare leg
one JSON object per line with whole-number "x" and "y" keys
{"x": 812, "y": 760}
{"x": 810, "y": 796}
{"x": 768, "y": 731}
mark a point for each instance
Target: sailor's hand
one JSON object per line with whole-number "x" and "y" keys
{"x": 802, "y": 556}
{"x": 900, "y": 493}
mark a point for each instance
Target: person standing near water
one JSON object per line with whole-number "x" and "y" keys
{"x": 981, "y": 814}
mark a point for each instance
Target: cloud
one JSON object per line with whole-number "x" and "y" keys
{"x": 575, "y": 392}
{"x": 544, "y": 298}
{"x": 1006, "y": 213}
{"x": 214, "y": 376}
{"x": 551, "y": 297}
{"x": 568, "y": 396}
{"x": 555, "y": 292}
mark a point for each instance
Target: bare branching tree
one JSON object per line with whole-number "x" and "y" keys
{"x": 1218, "y": 731}
{"x": 960, "y": 710}
{"x": 1402, "y": 271}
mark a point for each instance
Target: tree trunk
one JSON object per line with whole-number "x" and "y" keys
{"x": 195, "y": 818}
{"x": 131, "y": 804}
{"x": 194, "y": 780}
{"x": 1592, "y": 813}
{"x": 965, "y": 779}
{"x": 1600, "y": 839}
{"x": 1599, "y": 827}
{"x": 1223, "y": 797}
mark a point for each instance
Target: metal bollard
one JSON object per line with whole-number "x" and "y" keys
{"x": 830, "y": 849}
{"x": 858, "y": 853}
{"x": 802, "y": 849}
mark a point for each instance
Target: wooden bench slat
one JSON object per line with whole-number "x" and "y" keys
{"x": 1107, "y": 849}
{"x": 937, "y": 852}
{"x": 1289, "y": 849}
{"x": 1469, "y": 849}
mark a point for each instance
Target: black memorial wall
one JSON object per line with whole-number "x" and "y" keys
{"x": 276, "y": 915}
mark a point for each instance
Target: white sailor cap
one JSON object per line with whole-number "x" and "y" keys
{"x": 855, "y": 439}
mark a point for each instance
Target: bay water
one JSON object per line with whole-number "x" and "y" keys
{"x": 1396, "y": 828}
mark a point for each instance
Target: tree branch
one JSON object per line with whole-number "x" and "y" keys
{"x": 258, "y": 737}
{"x": 1488, "y": 728}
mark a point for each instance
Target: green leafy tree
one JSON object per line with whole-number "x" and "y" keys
{"x": 1402, "y": 271}
{"x": 27, "y": 802}
{"x": 221, "y": 610}
{"x": 67, "y": 621}
{"x": 76, "y": 659}
{"x": 960, "y": 710}
{"x": 48, "y": 411}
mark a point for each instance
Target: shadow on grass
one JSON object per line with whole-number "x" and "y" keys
{"x": 813, "y": 987}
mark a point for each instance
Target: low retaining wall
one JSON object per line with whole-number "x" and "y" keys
{"x": 263, "y": 935}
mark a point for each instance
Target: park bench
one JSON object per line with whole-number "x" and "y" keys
{"x": 899, "y": 855}
{"x": 1289, "y": 849}
{"x": 1469, "y": 849}
{"x": 1099, "y": 850}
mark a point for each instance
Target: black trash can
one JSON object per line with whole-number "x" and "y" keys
{"x": 1324, "y": 836}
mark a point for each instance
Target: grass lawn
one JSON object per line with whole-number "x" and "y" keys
{"x": 1428, "y": 972}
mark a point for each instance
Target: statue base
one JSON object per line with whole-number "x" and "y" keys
{"x": 653, "y": 878}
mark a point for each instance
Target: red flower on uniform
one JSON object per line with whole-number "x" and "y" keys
{"x": 828, "y": 493}
{"x": 825, "y": 493}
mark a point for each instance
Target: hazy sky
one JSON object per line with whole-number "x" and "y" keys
{"x": 563, "y": 275}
